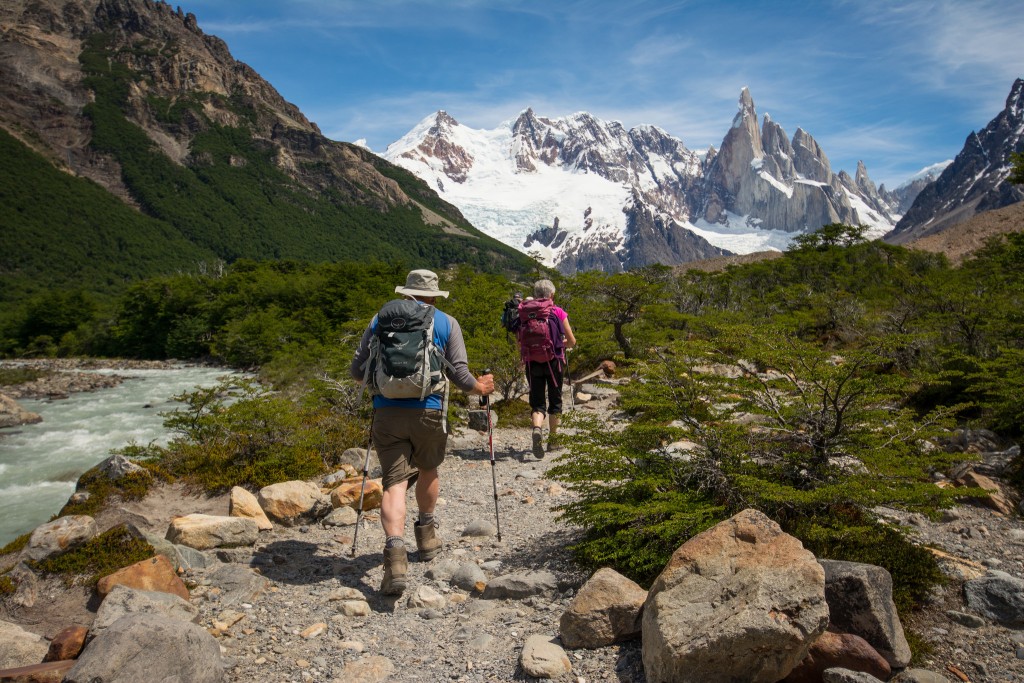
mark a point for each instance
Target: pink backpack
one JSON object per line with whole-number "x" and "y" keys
{"x": 540, "y": 332}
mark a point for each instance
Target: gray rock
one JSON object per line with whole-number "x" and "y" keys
{"x": 964, "y": 619}
{"x": 542, "y": 658}
{"x": 491, "y": 566}
{"x": 860, "y": 602}
{"x": 918, "y": 676}
{"x": 478, "y": 420}
{"x": 997, "y": 596}
{"x": 238, "y": 584}
{"x": 598, "y": 390}
{"x": 343, "y": 516}
{"x": 117, "y": 466}
{"x": 480, "y": 643}
{"x": 123, "y": 600}
{"x": 742, "y": 601}
{"x": 442, "y": 570}
{"x": 425, "y": 596}
{"x": 467, "y": 576}
{"x": 846, "y": 676}
{"x": 520, "y": 585}
{"x": 357, "y": 458}
{"x": 174, "y": 652}
{"x": 19, "y": 647}
{"x": 480, "y": 528}
{"x": 59, "y": 536}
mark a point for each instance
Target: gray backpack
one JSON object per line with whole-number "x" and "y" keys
{"x": 404, "y": 362}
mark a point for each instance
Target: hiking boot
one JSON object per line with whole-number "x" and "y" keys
{"x": 428, "y": 543}
{"x": 538, "y": 444}
{"x": 554, "y": 443}
{"x": 396, "y": 567}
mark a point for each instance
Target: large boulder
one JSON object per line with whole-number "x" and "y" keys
{"x": 154, "y": 574}
{"x": 59, "y": 536}
{"x": 123, "y": 600}
{"x": 19, "y": 647}
{"x": 605, "y": 611}
{"x": 149, "y": 647}
{"x": 212, "y": 531}
{"x": 291, "y": 501}
{"x": 742, "y": 601}
{"x": 13, "y": 415}
{"x": 997, "y": 596}
{"x": 242, "y": 503}
{"x": 860, "y": 602}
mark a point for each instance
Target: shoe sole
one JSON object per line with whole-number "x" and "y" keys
{"x": 427, "y": 556}
{"x": 396, "y": 588}
{"x": 538, "y": 447}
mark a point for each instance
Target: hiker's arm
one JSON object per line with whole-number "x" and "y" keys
{"x": 455, "y": 353}
{"x": 570, "y": 338}
{"x": 356, "y": 369}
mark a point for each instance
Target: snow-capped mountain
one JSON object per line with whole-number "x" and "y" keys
{"x": 588, "y": 194}
{"x": 975, "y": 181}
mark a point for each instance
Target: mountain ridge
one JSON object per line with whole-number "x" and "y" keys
{"x": 134, "y": 97}
{"x": 591, "y": 194}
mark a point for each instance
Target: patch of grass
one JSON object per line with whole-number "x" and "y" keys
{"x": 7, "y": 585}
{"x": 112, "y": 550}
{"x": 16, "y": 545}
{"x": 514, "y": 413}
{"x": 132, "y": 486}
{"x": 12, "y": 376}
{"x": 920, "y": 649}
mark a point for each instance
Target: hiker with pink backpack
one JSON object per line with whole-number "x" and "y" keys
{"x": 544, "y": 335}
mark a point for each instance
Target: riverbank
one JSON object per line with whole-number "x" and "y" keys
{"x": 61, "y": 377}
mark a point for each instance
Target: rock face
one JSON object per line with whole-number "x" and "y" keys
{"x": 975, "y": 181}
{"x": 596, "y": 196}
{"x": 742, "y": 601}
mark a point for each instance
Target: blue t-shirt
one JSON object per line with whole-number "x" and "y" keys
{"x": 442, "y": 331}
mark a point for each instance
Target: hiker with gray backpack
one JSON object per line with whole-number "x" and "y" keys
{"x": 544, "y": 335}
{"x": 405, "y": 358}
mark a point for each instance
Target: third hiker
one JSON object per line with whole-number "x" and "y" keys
{"x": 404, "y": 356}
{"x": 544, "y": 335}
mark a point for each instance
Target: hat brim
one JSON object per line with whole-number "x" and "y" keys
{"x": 421, "y": 292}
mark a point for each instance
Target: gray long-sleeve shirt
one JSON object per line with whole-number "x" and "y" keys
{"x": 454, "y": 353}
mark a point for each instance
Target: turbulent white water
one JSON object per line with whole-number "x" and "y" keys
{"x": 40, "y": 463}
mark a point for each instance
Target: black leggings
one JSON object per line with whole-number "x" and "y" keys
{"x": 545, "y": 376}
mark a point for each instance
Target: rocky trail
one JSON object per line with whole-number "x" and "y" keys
{"x": 296, "y": 606}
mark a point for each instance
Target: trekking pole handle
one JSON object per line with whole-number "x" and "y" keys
{"x": 485, "y": 400}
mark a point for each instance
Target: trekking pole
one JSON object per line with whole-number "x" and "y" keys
{"x": 568, "y": 379}
{"x": 362, "y": 489}
{"x": 485, "y": 403}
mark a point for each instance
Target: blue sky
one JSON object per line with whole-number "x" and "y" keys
{"x": 898, "y": 85}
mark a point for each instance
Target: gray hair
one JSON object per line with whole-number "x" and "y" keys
{"x": 543, "y": 289}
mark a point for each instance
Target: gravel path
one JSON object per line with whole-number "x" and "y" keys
{"x": 465, "y": 638}
{"x": 298, "y": 629}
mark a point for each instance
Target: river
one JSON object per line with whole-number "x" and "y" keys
{"x": 40, "y": 463}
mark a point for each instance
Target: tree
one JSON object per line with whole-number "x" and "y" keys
{"x": 620, "y": 299}
{"x": 1017, "y": 172}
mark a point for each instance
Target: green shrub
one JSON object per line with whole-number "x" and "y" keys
{"x": 16, "y": 545}
{"x": 114, "y": 549}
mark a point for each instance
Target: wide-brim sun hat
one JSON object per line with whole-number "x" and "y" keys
{"x": 421, "y": 283}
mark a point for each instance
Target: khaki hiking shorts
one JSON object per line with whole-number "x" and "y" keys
{"x": 407, "y": 440}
